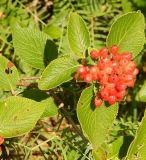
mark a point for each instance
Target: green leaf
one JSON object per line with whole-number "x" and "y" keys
{"x": 53, "y": 31}
{"x": 8, "y": 75}
{"x": 78, "y": 35}
{"x": 51, "y": 108}
{"x": 128, "y": 33}
{"x": 33, "y": 47}
{"x": 57, "y": 72}
{"x": 95, "y": 122}
{"x": 118, "y": 148}
{"x": 18, "y": 116}
{"x": 99, "y": 154}
{"x": 141, "y": 95}
{"x": 137, "y": 149}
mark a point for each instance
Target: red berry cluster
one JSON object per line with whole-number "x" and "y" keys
{"x": 113, "y": 71}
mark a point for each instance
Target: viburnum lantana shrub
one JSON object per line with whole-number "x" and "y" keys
{"x": 107, "y": 72}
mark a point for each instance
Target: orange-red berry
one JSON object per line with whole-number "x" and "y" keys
{"x": 97, "y": 102}
{"x": 1, "y": 140}
{"x": 114, "y": 49}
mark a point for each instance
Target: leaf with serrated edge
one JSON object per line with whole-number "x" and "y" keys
{"x": 8, "y": 76}
{"x": 57, "y": 72}
{"x": 95, "y": 122}
{"x": 18, "y": 116}
{"x": 33, "y": 46}
{"x": 137, "y": 149}
{"x": 128, "y": 33}
{"x": 78, "y": 35}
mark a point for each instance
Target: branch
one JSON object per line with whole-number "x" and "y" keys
{"x": 65, "y": 114}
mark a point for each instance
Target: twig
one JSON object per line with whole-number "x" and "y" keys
{"x": 30, "y": 78}
{"x": 64, "y": 112}
{"x": 25, "y": 84}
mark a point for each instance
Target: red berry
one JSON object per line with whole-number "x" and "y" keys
{"x": 88, "y": 78}
{"x": 130, "y": 67}
{"x": 94, "y": 70}
{"x": 104, "y": 79}
{"x": 103, "y": 52}
{"x": 127, "y": 55}
{"x": 94, "y": 54}
{"x": 1, "y": 140}
{"x": 109, "y": 70}
{"x": 114, "y": 49}
{"x": 113, "y": 92}
{"x": 104, "y": 93}
{"x": 115, "y": 64}
{"x": 120, "y": 86}
{"x": 113, "y": 78}
{"x": 122, "y": 77}
{"x": 101, "y": 65}
{"x": 95, "y": 76}
{"x": 121, "y": 94}
{"x": 100, "y": 75}
{"x": 106, "y": 60}
{"x": 112, "y": 99}
{"x": 97, "y": 102}
{"x": 136, "y": 71}
{"x": 129, "y": 77}
{"x": 82, "y": 70}
{"x": 110, "y": 85}
{"x": 123, "y": 62}
{"x": 117, "y": 57}
{"x": 130, "y": 83}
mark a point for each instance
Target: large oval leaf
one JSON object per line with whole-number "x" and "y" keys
{"x": 95, "y": 122}
{"x": 78, "y": 35}
{"x": 8, "y": 75}
{"x": 57, "y": 72}
{"x": 137, "y": 149}
{"x": 18, "y": 116}
{"x": 128, "y": 33}
{"x": 34, "y": 47}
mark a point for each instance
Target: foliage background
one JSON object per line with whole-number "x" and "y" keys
{"x": 57, "y": 137}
